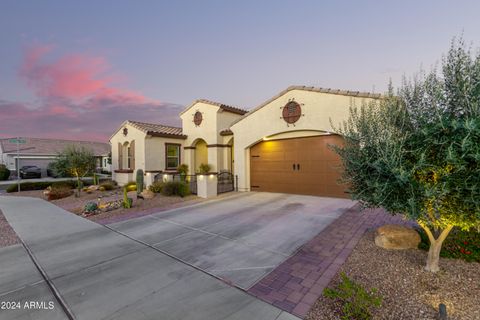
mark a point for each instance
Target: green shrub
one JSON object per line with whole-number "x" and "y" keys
{"x": 357, "y": 301}
{"x": 139, "y": 181}
{"x": 175, "y": 188}
{"x": 458, "y": 245}
{"x": 90, "y": 207}
{"x": 4, "y": 172}
{"x": 59, "y": 192}
{"x": 204, "y": 168}
{"x": 156, "y": 187}
{"x": 107, "y": 185}
{"x": 127, "y": 202}
{"x": 42, "y": 185}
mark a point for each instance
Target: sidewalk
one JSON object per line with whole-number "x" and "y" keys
{"x": 101, "y": 274}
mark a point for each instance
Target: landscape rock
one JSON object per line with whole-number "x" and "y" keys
{"x": 92, "y": 188}
{"x": 147, "y": 194}
{"x": 392, "y": 236}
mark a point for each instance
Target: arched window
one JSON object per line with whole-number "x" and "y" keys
{"x": 126, "y": 155}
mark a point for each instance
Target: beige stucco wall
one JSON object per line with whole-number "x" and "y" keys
{"x": 207, "y": 130}
{"x": 133, "y": 134}
{"x": 214, "y": 120}
{"x": 155, "y": 155}
{"x": 318, "y": 109}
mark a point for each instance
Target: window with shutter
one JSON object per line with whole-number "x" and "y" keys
{"x": 132, "y": 155}
{"x": 120, "y": 156}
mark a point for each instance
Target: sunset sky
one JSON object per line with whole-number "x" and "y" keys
{"x": 78, "y": 69}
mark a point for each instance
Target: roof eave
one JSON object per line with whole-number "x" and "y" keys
{"x": 166, "y": 135}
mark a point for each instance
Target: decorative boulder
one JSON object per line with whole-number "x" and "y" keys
{"x": 92, "y": 188}
{"x": 47, "y": 191}
{"x": 147, "y": 194}
{"x": 393, "y": 236}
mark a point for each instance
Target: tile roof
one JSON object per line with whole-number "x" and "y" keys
{"x": 358, "y": 94}
{"x": 39, "y": 146}
{"x": 158, "y": 130}
{"x": 222, "y": 106}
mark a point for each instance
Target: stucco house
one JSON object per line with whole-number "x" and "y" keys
{"x": 279, "y": 146}
{"x": 40, "y": 152}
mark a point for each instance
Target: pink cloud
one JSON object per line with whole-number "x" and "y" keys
{"x": 74, "y": 76}
{"x": 79, "y": 99}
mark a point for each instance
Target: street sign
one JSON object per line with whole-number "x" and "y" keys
{"x": 20, "y": 141}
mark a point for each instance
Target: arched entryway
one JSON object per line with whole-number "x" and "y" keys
{"x": 201, "y": 153}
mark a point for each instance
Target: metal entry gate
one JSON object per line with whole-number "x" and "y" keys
{"x": 226, "y": 182}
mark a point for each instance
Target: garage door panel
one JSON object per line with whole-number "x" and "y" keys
{"x": 318, "y": 172}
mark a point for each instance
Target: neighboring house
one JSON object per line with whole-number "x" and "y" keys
{"x": 40, "y": 152}
{"x": 280, "y": 146}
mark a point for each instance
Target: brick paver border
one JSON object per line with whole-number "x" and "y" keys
{"x": 296, "y": 284}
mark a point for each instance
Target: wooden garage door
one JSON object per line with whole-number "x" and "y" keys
{"x": 299, "y": 166}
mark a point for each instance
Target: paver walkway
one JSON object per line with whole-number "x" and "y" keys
{"x": 297, "y": 283}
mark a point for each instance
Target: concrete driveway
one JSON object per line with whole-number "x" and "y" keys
{"x": 156, "y": 267}
{"x": 239, "y": 239}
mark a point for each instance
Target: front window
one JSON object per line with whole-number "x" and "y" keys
{"x": 172, "y": 159}
{"x": 129, "y": 158}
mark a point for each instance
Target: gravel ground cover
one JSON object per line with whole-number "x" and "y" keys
{"x": 408, "y": 291}
{"x": 140, "y": 207}
{"x": 8, "y": 237}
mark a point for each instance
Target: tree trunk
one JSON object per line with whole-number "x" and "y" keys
{"x": 433, "y": 257}
{"x": 78, "y": 184}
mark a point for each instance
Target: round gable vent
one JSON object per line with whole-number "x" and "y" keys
{"x": 291, "y": 112}
{"x": 197, "y": 118}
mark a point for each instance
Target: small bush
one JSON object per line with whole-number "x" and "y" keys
{"x": 4, "y": 172}
{"x": 458, "y": 245}
{"x": 204, "y": 168}
{"x": 357, "y": 301}
{"x": 182, "y": 169}
{"x": 101, "y": 188}
{"x": 107, "y": 185}
{"x": 59, "y": 193}
{"x": 42, "y": 185}
{"x": 175, "y": 188}
{"x": 90, "y": 207}
{"x": 156, "y": 187}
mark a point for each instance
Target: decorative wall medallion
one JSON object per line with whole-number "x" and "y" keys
{"x": 291, "y": 112}
{"x": 125, "y": 131}
{"x": 197, "y": 118}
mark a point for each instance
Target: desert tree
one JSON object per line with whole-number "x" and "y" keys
{"x": 76, "y": 161}
{"x": 416, "y": 151}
